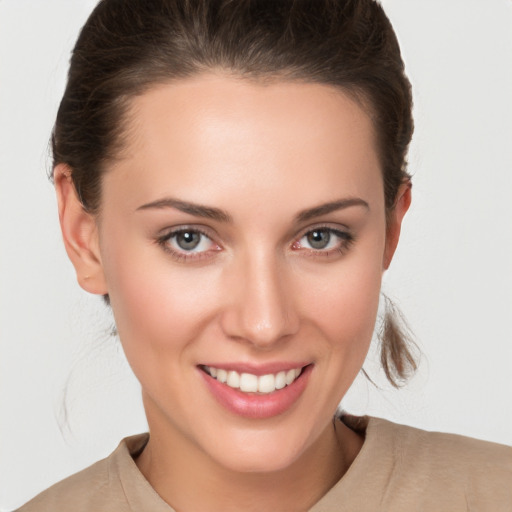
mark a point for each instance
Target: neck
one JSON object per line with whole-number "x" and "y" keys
{"x": 176, "y": 470}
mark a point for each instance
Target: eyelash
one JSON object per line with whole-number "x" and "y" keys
{"x": 163, "y": 242}
{"x": 346, "y": 239}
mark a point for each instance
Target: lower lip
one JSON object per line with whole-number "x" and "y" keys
{"x": 255, "y": 406}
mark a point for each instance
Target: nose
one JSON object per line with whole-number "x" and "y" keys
{"x": 260, "y": 303}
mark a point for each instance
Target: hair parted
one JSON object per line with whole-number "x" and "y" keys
{"x": 128, "y": 46}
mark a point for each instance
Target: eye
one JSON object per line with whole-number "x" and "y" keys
{"x": 324, "y": 240}
{"x": 190, "y": 241}
{"x": 318, "y": 239}
{"x": 186, "y": 243}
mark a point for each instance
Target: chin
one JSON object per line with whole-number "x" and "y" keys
{"x": 243, "y": 462}
{"x": 260, "y": 452}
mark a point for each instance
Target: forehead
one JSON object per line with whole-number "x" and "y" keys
{"x": 214, "y": 132}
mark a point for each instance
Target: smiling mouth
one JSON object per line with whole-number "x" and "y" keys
{"x": 250, "y": 383}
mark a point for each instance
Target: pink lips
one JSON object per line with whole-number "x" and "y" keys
{"x": 257, "y": 406}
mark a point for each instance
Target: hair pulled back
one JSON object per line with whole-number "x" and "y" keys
{"x": 128, "y": 46}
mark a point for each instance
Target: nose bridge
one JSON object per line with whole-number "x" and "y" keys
{"x": 261, "y": 309}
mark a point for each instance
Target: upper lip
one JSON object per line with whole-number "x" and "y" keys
{"x": 258, "y": 369}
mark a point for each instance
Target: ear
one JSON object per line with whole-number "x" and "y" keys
{"x": 80, "y": 233}
{"x": 394, "y": 221}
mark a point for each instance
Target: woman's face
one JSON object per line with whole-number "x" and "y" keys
{"x": 242, "y": 236}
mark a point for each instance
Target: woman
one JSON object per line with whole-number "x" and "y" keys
{"x": 231, "y": 178}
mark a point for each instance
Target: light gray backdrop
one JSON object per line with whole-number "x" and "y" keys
{"x": 452, "y": 274}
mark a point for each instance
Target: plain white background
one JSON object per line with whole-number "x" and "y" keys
{"x": 452, "y": 275}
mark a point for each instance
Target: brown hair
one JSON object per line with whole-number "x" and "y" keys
{"x": 128, "y": 46}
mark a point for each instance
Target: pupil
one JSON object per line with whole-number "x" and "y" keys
{"x": 319, "y": 239}
{"x": 188, "y": 240}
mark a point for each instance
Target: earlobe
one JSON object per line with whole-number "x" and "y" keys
{"x": 80, "y": 234}
{"x": 394, "y": 222}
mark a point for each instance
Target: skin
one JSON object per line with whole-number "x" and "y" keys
{"x": 255, "y": 291}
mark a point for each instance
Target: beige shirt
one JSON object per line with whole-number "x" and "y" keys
{"x": 398, "y": 469}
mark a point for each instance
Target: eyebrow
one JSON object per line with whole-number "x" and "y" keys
{"x": 194, "y": 209}
{"x": 333, "y": 206}
{"x": 217, "y": 214}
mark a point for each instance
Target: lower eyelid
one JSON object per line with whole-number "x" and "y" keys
{"x": 183, "y": 256}
{"x": 345, "y": 240}
{"x": 343, "y": 244}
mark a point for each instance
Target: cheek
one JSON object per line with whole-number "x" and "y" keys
{"x": 343, "y": 302}
{"x": 162, "y": 307}
{"x": 155, "y": 302}
{"x": 347, "y": 311}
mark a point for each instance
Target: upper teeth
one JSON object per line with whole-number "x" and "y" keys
{"x": 250, "y": 383}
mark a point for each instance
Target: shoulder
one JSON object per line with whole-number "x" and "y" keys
{"x": 456, "y": 468}
{"x": 76, "y": 492}
{"x": 464, "y": 455}
{"x": 401, "y": 468}
{"x": 99, "y": 487}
